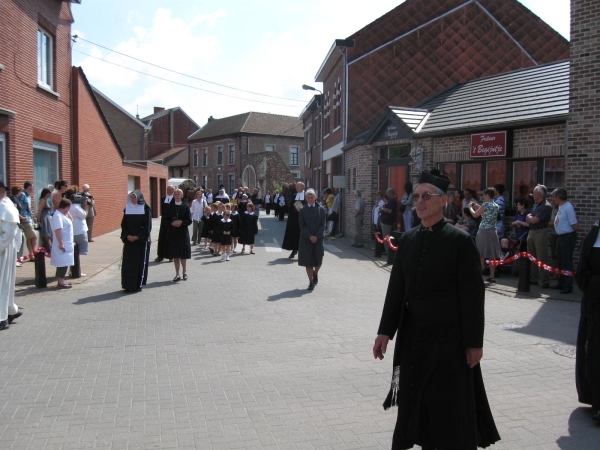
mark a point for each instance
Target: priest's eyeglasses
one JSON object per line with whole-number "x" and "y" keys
{"x": 426, "y": 196}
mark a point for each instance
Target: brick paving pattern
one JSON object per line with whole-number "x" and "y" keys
{"x": 242, "y": 356}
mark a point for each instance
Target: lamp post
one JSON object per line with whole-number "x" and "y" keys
{"x": 310, "y": 88}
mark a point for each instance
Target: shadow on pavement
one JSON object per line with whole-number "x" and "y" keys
{"x": 285, "y": 260}
{"x": 540, "y": 326}
{"x": 101, "y": 298}
{"x": 582, "y": 430}
{"x": 294, "y": 293}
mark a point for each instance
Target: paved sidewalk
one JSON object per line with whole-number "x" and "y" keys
{"x": 242, "y": 356}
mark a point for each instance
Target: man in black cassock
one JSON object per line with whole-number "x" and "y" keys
{"x": 164, "y": 224}
{"x": 292, "y": 228}
{"x": 435, "y": 305}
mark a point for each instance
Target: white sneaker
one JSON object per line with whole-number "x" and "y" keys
{"x": 223, "y": 257}
{"x": 234, "y": 251}
{"x": 227, "y": 259}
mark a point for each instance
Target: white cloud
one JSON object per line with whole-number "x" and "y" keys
{"x": 210, "y": 19}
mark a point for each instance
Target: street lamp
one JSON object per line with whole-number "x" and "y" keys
{"x": 306, "y": 87}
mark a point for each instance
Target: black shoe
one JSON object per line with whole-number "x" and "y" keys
{"x": 158, "y": 259}
{"x": 564, "y": 291}
{"x": 185, "y": 277}
{"x": 315, "y": 280}
{"x": 4, "y": 323}
{"x": 311, "y": 286}
{"x": 557, "y": 286}
{"x": 177, "y": 278}
{"x": 14, "y": 316}
{"x": 293, "y": 254}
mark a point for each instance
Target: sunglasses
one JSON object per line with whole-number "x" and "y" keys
{"x": 426, "y": 196}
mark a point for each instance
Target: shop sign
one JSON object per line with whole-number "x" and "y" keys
{"x": 488, "y": 145}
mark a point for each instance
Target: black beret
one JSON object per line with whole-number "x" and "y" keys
{"x": 435, "y": 177}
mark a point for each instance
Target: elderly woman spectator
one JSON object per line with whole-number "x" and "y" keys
{"x": 375, "y": 212}
{"x": 91, "y": 211}
{"x": 406, "y": 205}
{"x": 468, "y": 223}
{"x": 63, "y": 247}
{"x": 450, "y": 210}
{"x": 178, "y": 243}
{"x": 44, "y": 218}
{"x": 135, "y": 235}
{"x": 487, "y": 239}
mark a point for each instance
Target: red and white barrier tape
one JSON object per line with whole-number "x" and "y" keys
{"x": 499, "y": 262}
{"x": 32, "y": 255}
{"x": 387, "y": 239}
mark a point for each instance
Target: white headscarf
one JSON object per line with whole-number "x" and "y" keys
{"x": 137, "y": 208}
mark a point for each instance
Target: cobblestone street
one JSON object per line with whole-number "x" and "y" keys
{"x": 242, "y": 356}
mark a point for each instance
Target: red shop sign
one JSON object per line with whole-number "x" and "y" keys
{"x": 488, "y": 145}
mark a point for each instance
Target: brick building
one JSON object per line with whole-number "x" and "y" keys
{"x": 35, "y": 75}
{"x": 96, "y": 148}
{"x": 583, "y": 160}
{"x": 413, "y": 52}
{"x": 253, "y": 149}
{"x": 508, "y": 128}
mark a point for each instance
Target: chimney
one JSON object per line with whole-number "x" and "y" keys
{"x": 158, "y": 109}
{"x": 210, "y": 119}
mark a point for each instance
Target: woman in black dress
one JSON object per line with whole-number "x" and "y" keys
{"x": 249, "y": 228}
{"x": 237, "y": 227}
{"x": 226, "y": 230}
{"x": 178, "y": 245}
{"x": 587, "y": 362}
{"x": 135, "y": 235}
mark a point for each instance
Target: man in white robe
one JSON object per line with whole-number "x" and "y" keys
{"x": 9, "y": 235}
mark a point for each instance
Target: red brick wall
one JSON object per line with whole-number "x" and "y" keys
{"x": 160, "y": 139}
{"x": 99, "y": 162}
{"x": 38, "y": 111}
{"x": 583, "y": 158}
{"x": 333, "y": 135}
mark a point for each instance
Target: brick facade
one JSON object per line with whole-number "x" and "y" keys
{"x": 583, "y": 159}
{"x": 95, "y": 149}
{"x": 41, "y": 114}
{"x": 246, "y": 146}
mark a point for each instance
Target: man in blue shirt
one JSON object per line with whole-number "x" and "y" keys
{"x": 28, "y": 230}
{"x": 566, "y": 226}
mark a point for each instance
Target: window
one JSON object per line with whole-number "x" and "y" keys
{"x": 3, "y": 157}
{"x": 196, "y": 180}
{"x": 269, "y": 148}
{"x": 204, "y": 157}
{"x": 219, "y": 181}
{"x": 525, "y": 178}
{"x": 231, "y": 183}
{"x": 219, "y": 155}
{"x": 554, "y": 173}
{"x": 471, "y": 177}
{"x": 496, "y": 173}
{"x": 307, "y": 139}
{"x": 449, "y": 169}
{"x": 45, "y": 58}
{"x": 195, "y": 157}
{"x": 296, "y": 175}
{"x": 45, "y": 165}
{"x": 232, "y": 154}
{"x": 204, "y": 181}
{"x": 293, "y": 156}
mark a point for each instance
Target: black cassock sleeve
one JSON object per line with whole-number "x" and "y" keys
{"x": 394, "y": 299}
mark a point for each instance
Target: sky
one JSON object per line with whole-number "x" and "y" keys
{"x": 268, "y": 47}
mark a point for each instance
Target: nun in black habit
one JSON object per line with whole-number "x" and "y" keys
{"x": 178, "y": 246}
{"x": 587, "y": 362}
{"x": 291, "y": 238}
{"x": 135, "y": 235}
{"x": 435, "y": 308}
